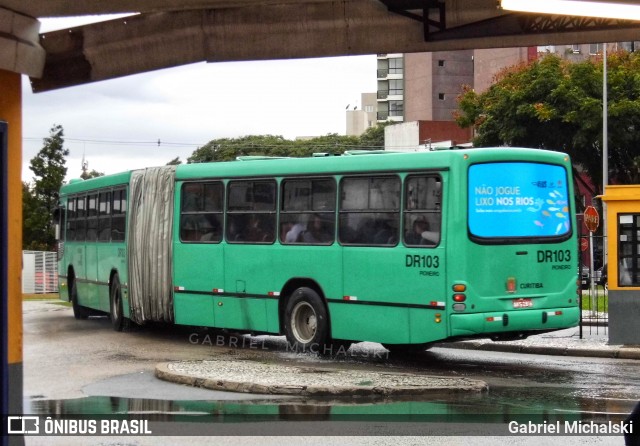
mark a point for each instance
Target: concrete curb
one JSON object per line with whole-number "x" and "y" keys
{"x": 164, "y": 372}
{"x": 619, "y": 353}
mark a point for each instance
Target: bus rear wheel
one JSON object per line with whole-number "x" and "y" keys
{"x": 115, "y": 304}
{"x": 306, "y": 321}
{"x": 79, "y": 312}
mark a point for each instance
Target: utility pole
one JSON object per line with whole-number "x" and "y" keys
{"x": 605, "y": 151}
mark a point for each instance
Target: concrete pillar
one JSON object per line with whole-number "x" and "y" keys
{"x": 11, "y": 113}
{"x": 20, "y": 53}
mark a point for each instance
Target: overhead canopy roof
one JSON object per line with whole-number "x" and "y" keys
{"x": 168, "y": 33}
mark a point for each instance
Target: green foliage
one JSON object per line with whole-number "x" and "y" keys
{"x": 41, "y": 200}
{"x": 556, "y": 105}
{"x": 174, "y": 162}
{"x": 373, "y": 137}
{"x": 34, "y": 222}
{"x": 227, "y": 149}
{"x": 92, "y": 174}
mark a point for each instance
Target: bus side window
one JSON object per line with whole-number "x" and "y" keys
{"x": 201, "y": 210}
{"x": 92, "y": 218}
{"x": 71, "y": 219}
{"x": 422, "y": 210}
{"x": 104, "y": 216}
{"x": 308, "y": 211}
{"x": 118, "y": 217}
{"x": 81, "y": 224}
{"x": 251, "y": 211}
{"x": 370, "y": 211}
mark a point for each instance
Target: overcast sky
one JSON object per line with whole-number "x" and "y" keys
{"x": 117, "y": 123}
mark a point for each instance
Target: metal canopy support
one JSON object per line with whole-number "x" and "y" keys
{"x": 559, "y": 24}
{"x": 528, "y": 24}
{"x": 420, "y": 10}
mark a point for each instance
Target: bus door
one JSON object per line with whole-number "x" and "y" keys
{"x": 91, "y": 254}
{"x": 76, "y": 252}
{"x": 248, "y": 257}
{"x": 393, "y": 257}
{"x": 198, "y": 252}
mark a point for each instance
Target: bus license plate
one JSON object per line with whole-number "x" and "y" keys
{"x": 522, "y": 303}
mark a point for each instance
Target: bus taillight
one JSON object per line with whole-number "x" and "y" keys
{"x": 511, "y": 285}
{"x": 459, "y": 297}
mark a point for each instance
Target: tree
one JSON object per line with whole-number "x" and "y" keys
{"x": 227, "y": 149}
{"x": 556, "y": 105}
{"x": 34, "y": 222}
{"x": 373, "y": 137}
{"x": 174, "y": 162}
{"x": 86, "y": 175}
{"x": 41, "y": 200}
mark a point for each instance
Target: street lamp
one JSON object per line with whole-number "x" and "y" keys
{"x": 605, "y": 151}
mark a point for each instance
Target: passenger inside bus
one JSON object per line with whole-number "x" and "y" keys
{"x": 316, "y": 232}
{"x": 291, "y": 232}
{"x": 210, "y": 229}
{"x": 420, "y": 234}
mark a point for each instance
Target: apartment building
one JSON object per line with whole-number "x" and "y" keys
{"x": 425, "y": 86}
{"x": 362, "y": 116}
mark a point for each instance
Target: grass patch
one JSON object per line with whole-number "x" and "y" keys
{"x": 601, "y": 302}
{"x": 50, "y": 296}
{"x": 54, "y": 297}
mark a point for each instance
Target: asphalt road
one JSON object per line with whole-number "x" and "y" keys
{"x": 74, "y": 366}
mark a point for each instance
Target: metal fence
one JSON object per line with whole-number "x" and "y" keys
{"x": 595, "y": 316}
{"x": 594, "y": 302}
{"x": 39, "y": 272}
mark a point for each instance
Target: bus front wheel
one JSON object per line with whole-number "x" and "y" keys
{"x": 115, "y": 304}
{"x": 306, "y": 321}
{"x": 79, "y": 312}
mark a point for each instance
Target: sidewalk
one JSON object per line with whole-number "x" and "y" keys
{"x": 594, "y": 343}
{"x": 249, "y": 375}
{"x": 252, "y": 375}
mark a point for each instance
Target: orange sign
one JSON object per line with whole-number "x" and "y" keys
{"x": 591, "y": 218}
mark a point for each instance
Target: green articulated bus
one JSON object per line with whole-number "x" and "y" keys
{"x": 404, "y": 249}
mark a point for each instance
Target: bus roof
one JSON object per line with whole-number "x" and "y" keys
{"x": 79, "y": 185}
{"x": 387, "y": 161}
{"x": 348, "y": 163}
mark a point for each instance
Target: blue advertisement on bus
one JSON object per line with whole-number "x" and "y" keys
{"x": 517, "y": 199}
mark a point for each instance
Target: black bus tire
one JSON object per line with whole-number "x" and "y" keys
{"x": 79, "y": 312}
{"x": 306, "y": 322}
{"x": 115, "y": 304}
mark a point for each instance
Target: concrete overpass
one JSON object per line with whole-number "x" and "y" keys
{"x": 166, "y": 33}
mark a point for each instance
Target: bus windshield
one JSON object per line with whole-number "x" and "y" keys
{"x": 518, "y": 200}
